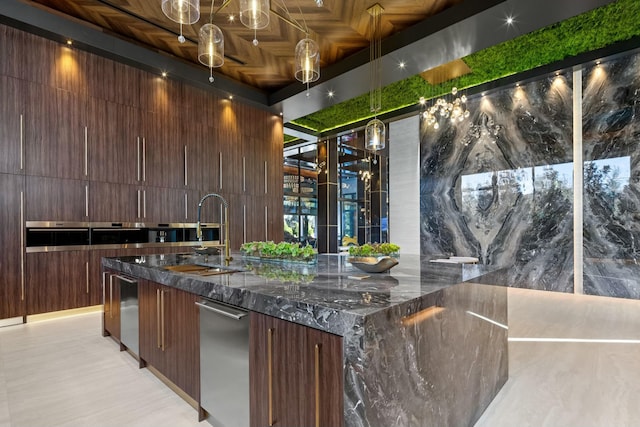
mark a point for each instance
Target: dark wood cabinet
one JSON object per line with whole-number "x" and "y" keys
{"x": 55, "y": 133}
{"x": 295, "y": 375}
{"x": 111, "y": 311}
{"x": 12, "y": 111}
{"x": 55, "y": 199}
{"x": 12, "y": 292}
{"x": 169, "y": 339}
{"x": 112, "y": 202}
{"x": 57, "y": 281}
{"x": 114, "y": 142}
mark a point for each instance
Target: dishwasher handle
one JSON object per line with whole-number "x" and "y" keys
{"x": 223, "y": 310}
{"x": 124, "y": 279}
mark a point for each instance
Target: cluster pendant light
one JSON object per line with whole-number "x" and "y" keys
{"x": 183, "y": 12}
{"x": 254, "y": 14}
{"x": 375, "y": 132}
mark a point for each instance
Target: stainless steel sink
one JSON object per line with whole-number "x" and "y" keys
{"x": 200, "y": 270}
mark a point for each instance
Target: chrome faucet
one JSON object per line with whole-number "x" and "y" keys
{"x": 227, "y": 252}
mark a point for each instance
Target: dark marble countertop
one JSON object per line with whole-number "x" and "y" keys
{"x": 329, "y": 295}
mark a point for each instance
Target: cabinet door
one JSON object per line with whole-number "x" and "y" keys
{"x": 149, "y": 300}
{"x": 12, "y": 111}
{"x": 293, "y": 384}
{"x": 163, "y": 205}
{"x": 55, "y": 133}
{"x": 325, "y": 372}
{"x": 169, "y": 334}
{"x": 12, "y": 295}
{"x": 181, "y": 340}
{"x": 111, "y": 311}
{"x": 114, "y": 142}
{"x": 54, "y": 199}
{"x": 56, "y": 281}
{"x": 111, "y": 202}
{"x": 162, "y": 151}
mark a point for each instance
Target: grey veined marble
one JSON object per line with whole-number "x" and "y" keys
{"x": 499, "y": 185}
{"x": 611, "y": 132}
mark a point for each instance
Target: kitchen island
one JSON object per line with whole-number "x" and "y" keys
{"x": 423, "y": 344}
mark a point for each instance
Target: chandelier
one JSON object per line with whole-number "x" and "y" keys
{"x": 254, "y": 14}
{"x": 454, "y": 109}
{"x": 375, "y": 132}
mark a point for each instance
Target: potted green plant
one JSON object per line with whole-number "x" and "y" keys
{"x": 281, "y": 252}
{"x": 374, "y": 257}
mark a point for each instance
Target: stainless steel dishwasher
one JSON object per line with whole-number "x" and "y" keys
{"x": 224, "y": 363}
{"x": 129, "y": 324}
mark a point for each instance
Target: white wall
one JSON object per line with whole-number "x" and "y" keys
{"x": 404, "y": 184}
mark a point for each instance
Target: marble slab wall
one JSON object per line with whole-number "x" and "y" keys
{"x": 611, "y": 138}
{"x": 499, "y": 185}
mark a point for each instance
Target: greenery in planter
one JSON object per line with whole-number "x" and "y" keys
{"x": 373, "y": 249}
{"x": 600, "y": 27}
{"x": 282, "y": 250}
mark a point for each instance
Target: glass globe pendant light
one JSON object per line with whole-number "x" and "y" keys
{"x": 375, "y": 131}
{"x": 254, "y": 14}
{"x": 307, "y": 57}
{"x": 375, "y": 135}
{"x": 183, "y": 12}
{"x": 211, "y": 47}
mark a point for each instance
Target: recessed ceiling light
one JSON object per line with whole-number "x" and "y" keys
{"x": 402, "y": 65}
{"x": 69, "y": 42}
{"x": 164, "y": 74}
{"x": 330, "y": 94}
{"x": 230, "y": 96}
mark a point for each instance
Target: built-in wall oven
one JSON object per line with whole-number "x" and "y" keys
{"x": 46, "y": 236}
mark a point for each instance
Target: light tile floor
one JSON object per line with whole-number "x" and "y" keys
{"x": 62, "y": 372}
{"x": 570, "y": 384}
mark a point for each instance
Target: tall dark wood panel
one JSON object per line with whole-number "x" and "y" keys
{"x": 55, "y": 133}
{"x": 12, "y": 295}
{"x": 293, "y": 383}
{"x": 57, "y": 281}
{"x": 111, "y": 312}
{"x": 12, "y": 111}
{"x": 114, "y": 141}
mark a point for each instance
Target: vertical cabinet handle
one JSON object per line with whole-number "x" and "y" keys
{"x": 86, "y": 201}
{"x": 317, "y": 383}
{"x": 244, "y": 174}
{"x": 162, "y": 343}
{"x": 138, "y": 163}
{"x": 22, "y": 248}
{"x": 21, "y": 142}
{"x": 186, "y": 206}
{"x": 111, "y": 296}
{"x": 86, "y": 151}
{"x": 265, "y": 177}
{"x": 186, "y": 168}
{"x": 270, "y": 373}
{"x": 144, "y": 204}
{"x": 220, "y": 169}
{"x": 139, "y": 210}
{"x": 244, "y": 223}
{"x": 266, "y": 223}
{"x": 86, "y": 268}
{"x": 158, "y": 308}
{"x": 144, "y": 159}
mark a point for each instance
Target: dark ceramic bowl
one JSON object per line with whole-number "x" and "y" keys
{"x": 373, "y": 264}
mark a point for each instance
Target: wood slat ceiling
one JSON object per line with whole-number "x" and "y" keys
{"x": 341, "y": 28}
